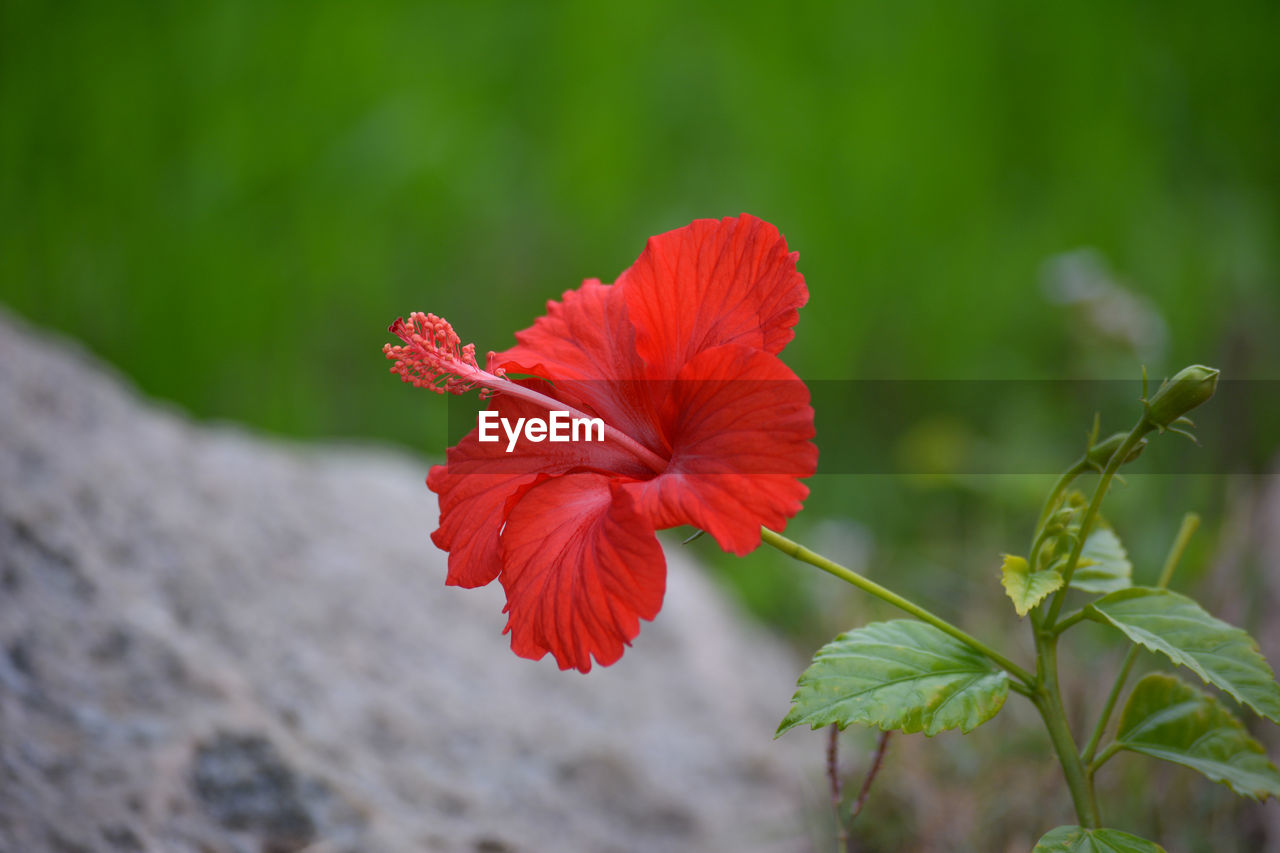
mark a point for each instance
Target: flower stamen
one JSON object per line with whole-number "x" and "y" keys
{"x": 433, "y": 357}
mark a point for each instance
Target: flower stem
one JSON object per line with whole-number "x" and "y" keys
{"x": 1048, "y": 698}
{"x": 1190, "y": 522}
{"x": 1048, "y": 701}
{"x": 799, "y": 552}
{"x": 1140, "y": 429}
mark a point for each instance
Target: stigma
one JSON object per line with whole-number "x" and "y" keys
{"x": 434, "y": 357}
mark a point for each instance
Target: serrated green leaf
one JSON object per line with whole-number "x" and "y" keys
{"x": 903, "y": 675}
{"x": 1026, "y": 588}
{"x": 1177, "y": 627}
{"x": 1077, "y": 839}
{"x": 1169, "y": 719}
{"x": 1104, "y": 564}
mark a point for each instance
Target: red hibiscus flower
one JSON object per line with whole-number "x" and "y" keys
{"x": 704, "y": 426}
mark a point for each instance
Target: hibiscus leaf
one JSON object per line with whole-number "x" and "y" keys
{"x": 1169, "y": 719}
{"x": 903, "y": 675}
{"x": 1104, "y": 564}
{"x": 1026, "y": 588}
{"x": 1177, "y": 627}
{"x": 1077, "y": 839}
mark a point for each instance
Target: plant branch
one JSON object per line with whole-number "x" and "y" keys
{"x": 1068, "y": 621}
{"x": 833, "y": 775}
{"x": 1048, "y": 701}
{"x": 799, "y": 552}
{"x": 1100, "y": 729}
{"x": 1190, "y": 522}
{"x": 1140, "y": 429}
{"x": 1103, "y": 758}
{"x": 1022, "y": 689}
{"x": 881, "y": 746}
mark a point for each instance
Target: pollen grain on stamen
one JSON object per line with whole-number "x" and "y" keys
{"x": 432, "y": 355}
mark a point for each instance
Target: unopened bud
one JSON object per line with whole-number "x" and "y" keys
{"x": 1189, "y": 388}
{"x": 1100, "y": 454}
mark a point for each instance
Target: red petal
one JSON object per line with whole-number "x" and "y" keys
{"x": 470, "y": 516}
{"x": 580, "y": 568}
{"x": 712, "y": 283}
{"x": 479, "y": 477}
{"x": 586, "y": 346}
{"x": 740, "y": 427}
{"x": 586, "y": 336}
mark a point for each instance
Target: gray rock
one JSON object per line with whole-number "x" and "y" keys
{"x": 211, "y": 641}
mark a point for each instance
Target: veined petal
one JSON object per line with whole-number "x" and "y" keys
{"x": 478, "y": 478}
{"x": 740, "y": 424}
{"x": 586, "y": 346}
{"x": 471, "y": 510}
{"x": 731, "y": 281}
{"x": 584, "y": 336}
{"x": 580, "y": 568}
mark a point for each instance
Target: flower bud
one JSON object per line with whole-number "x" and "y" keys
{"x": 1100, "y": 454}
{"x": 1189, "y": 388}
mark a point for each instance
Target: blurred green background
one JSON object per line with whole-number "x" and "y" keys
{"x": 230, "y": 201}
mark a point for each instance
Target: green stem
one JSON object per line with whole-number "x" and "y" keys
{"x": 1190, "y": 522}
{"x": 803, "y": 554}
{"x": 1055, "y": 496}
{"x": 1051, "y": 506}
{"x": 1091, "y": 747}
{"x": 1103, "y": 758}
{"x": 1140, "y": 429}
{"x": 1068, "y": 621}
{"x": 1048, "y": 696}
{"x": 1049, "y": 702}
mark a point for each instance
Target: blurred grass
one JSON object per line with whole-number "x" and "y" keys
{"x": 231, "y": 200}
